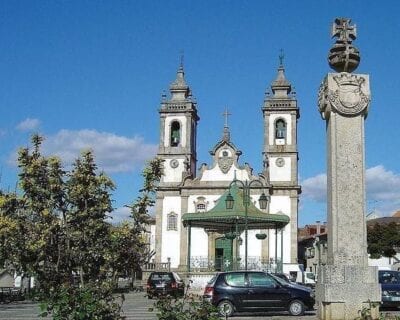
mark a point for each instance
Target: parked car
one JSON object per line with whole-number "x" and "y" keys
{"x": 256, "y": 291}
{"x": 165, "y": 283}
{"x": 281, "y": 276}
{"x": 390, "y": 284}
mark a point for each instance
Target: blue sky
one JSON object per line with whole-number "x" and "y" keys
{"x": 91, "y": 74}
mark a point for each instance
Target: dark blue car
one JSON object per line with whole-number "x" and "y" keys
{"x": 245, "y": 291}
{"x": 390, "y": 283}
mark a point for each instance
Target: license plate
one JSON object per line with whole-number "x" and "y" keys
{"x": 160, "y": 285}
{"x": 395, "y": 299}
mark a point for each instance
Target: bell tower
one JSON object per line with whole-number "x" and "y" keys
{"x": 280, "y": 155}
{"x": 280, "y": 113}
{"x": 178, "y": 126}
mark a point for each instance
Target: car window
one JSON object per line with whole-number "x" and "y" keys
{"x": 161, "y": 276}
{"x": 212, "y": 280}
{"x": 235, "y": 279}
{"x": 281, "y": 280}
{"x": 261, "y": 280}
{"x": 389, "y": 277}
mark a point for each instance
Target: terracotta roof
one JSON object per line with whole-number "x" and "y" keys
{"x": 396, "y": 214}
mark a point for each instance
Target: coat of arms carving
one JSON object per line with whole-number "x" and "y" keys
{"x": 225, "y": 163}
{"x": 349, "y": 98}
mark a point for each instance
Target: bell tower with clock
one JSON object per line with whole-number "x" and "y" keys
{"x": 280, "y": 152}
{"x": 177, "y": 147}
{"x": 178, "y": 126}
{"x": 280, "y": 113}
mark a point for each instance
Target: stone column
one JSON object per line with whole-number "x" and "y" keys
{"x": 158, "y": 231}
{"x": 183, "y": 236}
{"x": 346, "y": 284}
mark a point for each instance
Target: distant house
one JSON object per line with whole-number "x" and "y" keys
{"x": 312, "y": 246}
{"x": 6, "y": 278}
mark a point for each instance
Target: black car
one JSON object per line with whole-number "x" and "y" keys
{"x": 256, "y": 291}
{"x": 282, "y": 276}
{"x": 165, "y": 283}
{"x": 390, "y": 284}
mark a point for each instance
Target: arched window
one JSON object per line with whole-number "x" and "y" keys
{"x": 172, "y": 221}
{"x": 201, "y": 207}
{"x": 280, "y": 129}
{"x": 175, "y": 134}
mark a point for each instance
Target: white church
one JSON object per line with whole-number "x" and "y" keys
{"x": 222, "y": 216}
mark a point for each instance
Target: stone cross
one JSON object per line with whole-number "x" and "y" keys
{"x": 342, "y": 29}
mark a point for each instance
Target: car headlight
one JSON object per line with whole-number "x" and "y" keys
{"x": 385, "y": 293}
{"x": 312, "y": 294}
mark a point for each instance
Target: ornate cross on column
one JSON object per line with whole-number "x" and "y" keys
{"x": 342, "y": 29}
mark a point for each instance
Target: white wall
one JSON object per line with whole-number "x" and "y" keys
{"x": 280, "y": 205}
{"x": 171, "y": 238}
{"x": 173, "y": 174}
{"x": 280, "y": 173}
{"x": 215, "y": 174}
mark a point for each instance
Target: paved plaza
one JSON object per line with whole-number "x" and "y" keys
{"x": 136, "y": 307}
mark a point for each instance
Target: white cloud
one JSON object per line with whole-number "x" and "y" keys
{"x": 382, "y": 187}
{"x": 28, "y": 124}
{"x": 112, "y": 153}
{"x": 315, "y": 188}
{"x": 119, "y": 215}
{"x": 382, "y": 184}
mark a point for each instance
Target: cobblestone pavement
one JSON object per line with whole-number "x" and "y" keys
{"x": 136, "y": 307}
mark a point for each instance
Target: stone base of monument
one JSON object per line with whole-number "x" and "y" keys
{"x": 344, "y": 292}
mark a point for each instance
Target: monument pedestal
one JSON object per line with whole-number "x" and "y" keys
{"x": 344, "y": 291}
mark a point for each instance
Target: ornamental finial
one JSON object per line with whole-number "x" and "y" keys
{"x": 343, "y": 56}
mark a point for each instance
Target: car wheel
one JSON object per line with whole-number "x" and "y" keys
{"x": 296, "y": 308}
{"x": 226, "y": 308}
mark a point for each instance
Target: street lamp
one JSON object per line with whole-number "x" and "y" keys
{"x": 229, "y": 201}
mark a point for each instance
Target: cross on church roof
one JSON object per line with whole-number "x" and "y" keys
{"x": 182, "y": 57}
{"x": 342, "y": 29}
{"x": 281, "y": 57}
{"x": 226, "y": 114}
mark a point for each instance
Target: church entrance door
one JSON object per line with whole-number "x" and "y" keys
{"x": 223, "y": 254}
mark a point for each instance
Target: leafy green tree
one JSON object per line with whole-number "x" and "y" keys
{"x": 140, "y": 210}
{"x": 129, "y": 241}
{"x": 12, "y": 243}
{"x": 383, "y": 239}
{"x": 89, "y": 202}
{"x": 38, "y": 213}
{"x": 56, "y": 231}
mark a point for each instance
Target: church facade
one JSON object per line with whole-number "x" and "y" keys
{"x": 184, "y": 188}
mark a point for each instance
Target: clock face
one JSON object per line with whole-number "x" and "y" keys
{"x": 280, "y": 162}
{"x": 174, "y": 163}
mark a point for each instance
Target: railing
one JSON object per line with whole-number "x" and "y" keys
{"x": 155, "y": 266}
{"x": 204, "y": 264}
